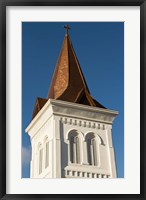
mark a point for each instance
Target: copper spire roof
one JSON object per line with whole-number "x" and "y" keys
{"x": 68, "y": 82}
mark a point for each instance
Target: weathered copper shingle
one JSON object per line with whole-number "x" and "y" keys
{"x": 40, "y": 102}
{"x": 68, "y": 82}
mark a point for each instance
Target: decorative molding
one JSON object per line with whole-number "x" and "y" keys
{"x": 82, "y": 123}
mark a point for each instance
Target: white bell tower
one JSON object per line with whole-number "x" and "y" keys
{"x": 72, "y": 140}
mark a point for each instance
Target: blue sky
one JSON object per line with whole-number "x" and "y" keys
{"x": 99, "y": 47}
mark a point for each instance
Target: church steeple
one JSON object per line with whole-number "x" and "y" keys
{"x": 68, "y": 82}
{"x": 67, "y": 138}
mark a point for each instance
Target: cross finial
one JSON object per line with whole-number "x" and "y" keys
{"x": 67, "y": 28}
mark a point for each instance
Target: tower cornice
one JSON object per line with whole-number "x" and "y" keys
{"x": 69, "y": 109}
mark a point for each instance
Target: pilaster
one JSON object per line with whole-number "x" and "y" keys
{"x": 110, "y": 150}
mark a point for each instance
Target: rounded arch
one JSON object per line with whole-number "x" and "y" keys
{"x": 75, "y": 139}
{"x": 46, "y": 151}
{"x": 92, "y": 144}
{"x": 94, "y": 135}
{"x": 40, "y": 157}
{"x": 89, "y": 135}
{"x": 74, "y": 132}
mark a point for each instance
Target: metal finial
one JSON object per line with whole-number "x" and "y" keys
{"x": 67, "y": 28}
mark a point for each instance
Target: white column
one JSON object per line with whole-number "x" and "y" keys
{"x": 92, "y": 156}
{"x": 56, "y": 148}
{"x": 99, "y": 176}
{"x": 111, "y": 155}
{"x": 85, "y": 158}
{"x": 74, "y": 152}
{"x": 69, "y": 161}
{"x": 32, "y": 159}
{"x": 31, "y": 169}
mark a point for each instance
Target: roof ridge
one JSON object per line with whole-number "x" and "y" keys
{"x": 78, "y": 65}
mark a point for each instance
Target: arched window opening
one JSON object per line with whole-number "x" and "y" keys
{"x": 40, "y": 160}
{"x": 47, "y": 154}
{"x": 71, "y": 149}
{"x": 92, "y": 149}
{"x": 76, "y": 150}
{"x": 74, "y": 147}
